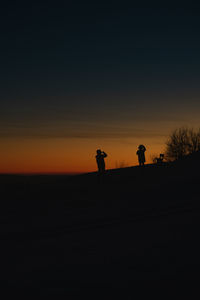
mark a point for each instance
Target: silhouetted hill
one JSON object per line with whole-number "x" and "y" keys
{"x": 76, "y": 234}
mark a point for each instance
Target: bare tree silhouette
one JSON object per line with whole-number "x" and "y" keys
{"x": 181, "y": 142}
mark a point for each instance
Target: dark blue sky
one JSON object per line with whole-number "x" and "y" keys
{"x": 88, "y": 62}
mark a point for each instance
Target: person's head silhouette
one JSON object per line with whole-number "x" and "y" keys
{"x": 141, "y": 147}
{"x": 98, "y": 151}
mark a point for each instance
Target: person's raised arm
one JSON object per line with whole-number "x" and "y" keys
{"x": 104, "y": 154}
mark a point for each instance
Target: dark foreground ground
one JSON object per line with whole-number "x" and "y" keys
{"x": 72, "y": 235}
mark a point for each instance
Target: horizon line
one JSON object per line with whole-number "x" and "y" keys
{"x": 41, "y": 173}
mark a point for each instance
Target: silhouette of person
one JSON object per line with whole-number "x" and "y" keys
{"x": 141, "y": 155}
{"x": 100, "y": 161}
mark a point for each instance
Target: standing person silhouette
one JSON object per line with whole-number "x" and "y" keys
{"x": 100, "y": 161}
{"x": 141, "y": 155}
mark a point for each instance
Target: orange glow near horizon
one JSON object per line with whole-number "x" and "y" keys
{"x": 29, "y": 156}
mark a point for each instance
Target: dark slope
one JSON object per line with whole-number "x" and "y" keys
{"x": 66, "y": 235}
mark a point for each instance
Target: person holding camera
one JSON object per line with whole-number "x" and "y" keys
{"x": 100, "y": 161}
{"x": 141, "y": 155}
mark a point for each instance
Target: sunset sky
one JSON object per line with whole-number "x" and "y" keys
{"x": 87, "y": 75}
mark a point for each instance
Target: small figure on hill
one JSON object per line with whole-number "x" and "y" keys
{"x": 141, "y": 155}
{"x": 159, "y": 160}
{"x": 100, "y": 161}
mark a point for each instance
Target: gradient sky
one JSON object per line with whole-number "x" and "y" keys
{"x": 77, "y": 76}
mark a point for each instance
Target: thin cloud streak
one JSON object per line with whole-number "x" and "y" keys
{"x": 82, "y": 132}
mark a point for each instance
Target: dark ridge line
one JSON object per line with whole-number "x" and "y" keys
{"x": 81, "y": 173}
